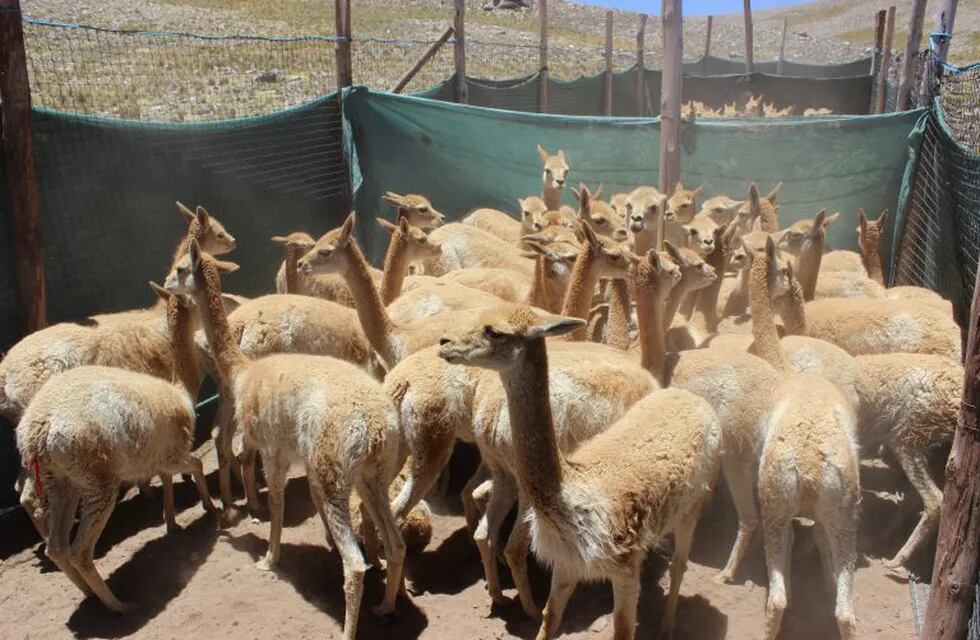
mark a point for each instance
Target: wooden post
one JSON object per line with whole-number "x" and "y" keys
{"x": 431, "y": 51}
{"x": 459, "y": 51}
{"x": 954, "y": 571}
{"x": 18, "y": 154}
{"x": 886, "y": 62}
{"x": 707, "y": 46}
{"x": 345, "y": 72}
{"x": 608, "y": 84}
{"x": 782, "y": 49}
{"x": 641, "y": 67}
{"x": 747, "y": 8}
{"x": 670, "y": 100}
{"x": 945, "y": 18}
{"x": 879, "y": 42}
{"x": 911, "y": 54}
{"x": 543, "y": 66}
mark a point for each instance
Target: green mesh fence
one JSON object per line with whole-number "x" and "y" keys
{"x": 938, "y": 231}
{"x": 713, "y": 66}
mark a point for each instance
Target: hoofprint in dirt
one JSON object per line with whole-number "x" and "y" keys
{"x": 202, "y": 582}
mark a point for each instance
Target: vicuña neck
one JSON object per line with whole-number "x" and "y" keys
{"x": 581, "y": 284}
{"x": 871, "y": 257}
{"x": 769, "y": 218}
{"x": 808, "y": 267}
{"x": 539, "y": 466}
{"x": 651, "y": 303}
{"x": 551, "y": 197}
{"x": 228, "y": 358}
{"x": 677, "y": 294}
{"x": 194, "y": 231}
{"x": 618, "y": 325}
{"x": 764, "y": 330}
{"x": 292, "y": 275}
{"x": 375, "y": 322}
{"x": 707, "y": 302}
{"x": 738, "y": 299}
{"x": 539, "y": 296}
{"x": 793, "y": 311}
{"x": 395, "y": 268}
{"x": 184, "y": 350}
{"x": 645, "y": 240}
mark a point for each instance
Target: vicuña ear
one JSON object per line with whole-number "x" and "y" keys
{"x": 542, "y": 153}
{"x": 820, "y": 221}
{"x": 679, "y": 186}
{"x": 653, "y": 257}
{"x": 882, "y": 217}
{"x": 393, "y": 199}
{"x": 386, "y": 225}
{"x": 555, "y": 326}
{"x": 282, "y": 240}
{"x": 590, "y": 236}
{"x": 697, "y": 192}
{"x": 771, "y": 251}
{"x": 404, "y": 226}
{"x": 862, "y": 221}
{"x": 226, "y": 267}
{"x": 831, "y": 219}
{"x": 560, "y": 154}
{"x": 162, "y": 293}
{"x": 194, "y": 251}
{"x": 346, "y": 230}
{"x": 187, "y": 213}
{"x": 674, "y": 253}
{"x": 203, "y": 218}
{"x": 775, "y": 192}
{"x": 584, "y": 198}
{"x": 230, "y": 303}
{"x": 598, "y": 192}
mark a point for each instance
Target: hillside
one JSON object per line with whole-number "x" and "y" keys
{"x": 502, "y": 44}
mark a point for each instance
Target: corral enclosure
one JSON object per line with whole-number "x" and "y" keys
{"x": 113, "y": 152}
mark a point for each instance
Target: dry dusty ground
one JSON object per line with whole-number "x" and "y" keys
{"x": 201, "y": 582}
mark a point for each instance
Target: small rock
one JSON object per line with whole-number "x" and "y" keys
{"x": 599, "y": 625}
{"x": 750, "y": 584}
{"x": 272, "y": 75}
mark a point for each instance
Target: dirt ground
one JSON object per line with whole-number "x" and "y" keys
{"x": 201, "y": 582}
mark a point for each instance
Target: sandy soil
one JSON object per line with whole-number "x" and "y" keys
{"x": 201, "y": 582}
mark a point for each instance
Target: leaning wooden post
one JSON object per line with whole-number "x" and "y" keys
{"x": 880, "y": 17}
{"x": 911, "y": 54}
{"x": 608, "y": 76}
{"x": 543, "y": 66}
{"x": 670, "y": 101}
{"x": 886, "y": 62}
{"x": 707, "y": 46}
{"x": 641, "y": 67}
{"x": 954, "y": 573}
{"x": 747, "y": 9}
{"x": 345, "y": 72}
{"x": 459, "y": 51}
{"x": 431, "y": 51}
{"x": 18, "y": 155}
{"x": 945, "y": 18}
{"x": 782, "y": 49}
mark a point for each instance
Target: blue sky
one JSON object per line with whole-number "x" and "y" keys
{"x": 691, "y": 7}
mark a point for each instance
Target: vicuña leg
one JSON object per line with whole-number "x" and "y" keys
{"x": 488, "y": 536}
{"x": 96, "y": 507}
{"x": 562, "y": 588}
{"x": 374, "y": 497}
{"x": 916, "y": 467}
{"x": 518, "y": 546}
{"x": 336, "y": 507}
{"x": 741, "y": 477}
{"x": 275, "y": 475}
{"x": 779, "y": 544}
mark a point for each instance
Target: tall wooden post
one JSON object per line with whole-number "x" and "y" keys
{"x": 945, "y": 19}
{"x": 543, "y": 66}
{"x": 707, "y": 46}
{"x": 911, "y": 54}
{"x": 18, "y": 154}
{"x": 747, "y": 9}
{"x": 608, "y": 84}
{"x": 782, "y": 49}
{"x": 345, "y": 72}
{"x": 459, "y": 51}
{"x": 670, "y": 100}
{"x": 886, "y": 62}
{"x": 641, "y": 67}
{"x": 880, "y": 17}
{"x": 954, "y": 573}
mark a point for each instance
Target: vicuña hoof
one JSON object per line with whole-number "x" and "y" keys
{"x": 266, "y": 564}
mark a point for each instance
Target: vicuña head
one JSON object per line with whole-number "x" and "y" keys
{"x": 797, "y": 233}
{"x": 870, "y": 232}
{"x": 555, "y": 169}
{"x": 194, "y": 269}
{"x": 327, "y": 256}
{"x": 412, "y": 240}
{"x": 299, "y": 241}
{"x": 643, "y": 207}
{"x": 599, "y": 215}
{"x": 777, "y": 269}
{"x": 210, "y": 233}
{"x": 416, "y": 208}
{"x": 533, "y": 210}
{"x": 681, "y": 205}
{"x": 499, "y": 337}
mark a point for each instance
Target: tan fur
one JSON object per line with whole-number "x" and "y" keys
{"x": 416, "y": 209}
{"x": 721, "y": 209}
{"x": 443, "y": 296}
{"x": 863, "y": 327}
{"x": 844, "y": 261}
{"x": 465, "y": 246}
{"x": 644, "y": 208}
{"x": 809, "y": 464}
{"x": 763, "y": 210}
{"x": 408, "y": 245}
{"x": 90, "y": 429}
{"x": 596, "y": 515}
{"x": 599, "y": 215}
{"x": 701, "y": 234}
{"x": 504, "y": 226}
{"x": 323, "y": 412}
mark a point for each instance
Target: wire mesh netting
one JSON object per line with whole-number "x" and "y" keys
{"x": 940, "y": 235}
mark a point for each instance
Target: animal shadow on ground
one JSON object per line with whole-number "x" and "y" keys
{"x": 172, "y": 560}
{"x": 318, "y": 576}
